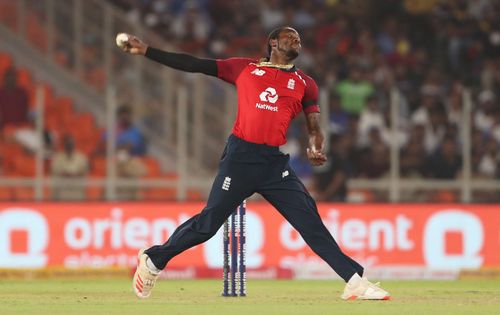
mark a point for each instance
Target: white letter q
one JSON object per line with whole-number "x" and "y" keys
{"x": 37, "y": 230}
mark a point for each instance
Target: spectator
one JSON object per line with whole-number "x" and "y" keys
{"x": 374, "y": 162}
{"x": 413, "y": 158}
{"x": 28, "y": 137}
{"x": 271, "y": 14}
{"x": 446, "y": 163}
{"x": 130, "y": 146}
{"x": 354, "y": 91}
{"x": 401, "y": 135}
{"x": 435, "y": 129}
{"x": 14, "y": 105}
{"x": 299, "y": 160}
{"x": 421, "y": 115}
{"x": 191, "y": 25}
{"x": 454, "y": 104}
{"x": 338, "y": 118}
{"x": 131, "y": 167}
{"x": 488, "y": 166}
{"x": 69, "y": 163}
{"x": 371, "y": 118}
{"x": 331, "y": 178}
{"x": 128, "y": 137}
{"x": 496, "y": 127}
{"x": 483, "y": 117}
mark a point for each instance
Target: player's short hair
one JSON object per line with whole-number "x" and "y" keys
{"x": 275, "y": 34}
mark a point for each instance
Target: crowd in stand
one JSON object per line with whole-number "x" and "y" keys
{"x": 430, "y": 51}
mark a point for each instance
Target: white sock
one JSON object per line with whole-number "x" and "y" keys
{"x": 355, "y": 280}
{"x": 152, "y": 266}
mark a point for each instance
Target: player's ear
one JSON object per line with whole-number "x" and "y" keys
{"x": 273, "y": 42}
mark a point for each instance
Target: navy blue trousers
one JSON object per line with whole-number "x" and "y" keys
{"x": 247, "y": 168}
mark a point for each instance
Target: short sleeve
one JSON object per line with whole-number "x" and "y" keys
{"x": 229, "y": 69}
{"x": 310, "y": 99}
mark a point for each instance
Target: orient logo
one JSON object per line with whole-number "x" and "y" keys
{"x": 467, "y": 226}
{"x": 269, "y": 95}
{"x": 34, "y": 228}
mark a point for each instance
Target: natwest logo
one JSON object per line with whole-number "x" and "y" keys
{"x": 269, "y": 95}
{"x": 28, "y": 251}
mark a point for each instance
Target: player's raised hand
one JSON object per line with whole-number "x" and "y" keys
{"x": 131, "y": 44}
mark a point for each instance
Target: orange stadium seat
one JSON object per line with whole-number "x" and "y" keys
{"x": 24, "y": 78}
{"x": 97, "y": 78}
{"x": 444, "y": 196}
{"x": 63, "y": 106}
{"x": 24, "y": 165}
{"x": 153, "y": 167}
{"x": 88, "y": 142}
{"x": 9, "y": 152}
{"x": 23, "y": 193}
{"x": 9, "y": 130}
{"x": 194, "y": 195}
{"x": 57, "y": 113}
{"x": 8, "y": 13}
{"x": 6, "y": 193}
{"x": 361, "y": 196}
{"x": 159, "y": 193}
{"x": 61, "y": 58}
{"x": 84, "y": 122}
{"x": 48, "y": 95}
{"x": 95, "y": 193}
{"x": 28, "y": 193}
{"x": 52, "y": 123}
{"x": 98, "y": 167}
{"x": 5, "y": 63}
{"x": 35, "y": 31}
{"x": 171, "y": 175}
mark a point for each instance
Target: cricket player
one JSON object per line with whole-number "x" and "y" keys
{"x": 271, "y": 92}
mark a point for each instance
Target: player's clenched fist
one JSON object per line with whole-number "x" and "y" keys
{"x": 316, "y": 157}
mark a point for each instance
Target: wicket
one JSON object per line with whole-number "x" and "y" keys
{"x": 234, "y": 242}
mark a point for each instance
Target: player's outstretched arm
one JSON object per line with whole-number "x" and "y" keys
{"x": 315, "y": 148}
{"x": 182, "y": 62}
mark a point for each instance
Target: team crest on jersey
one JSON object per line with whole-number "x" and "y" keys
{"x": 258, "y": 72}
{"x": 291, "y": 84}
{"x": 227, "y": 183}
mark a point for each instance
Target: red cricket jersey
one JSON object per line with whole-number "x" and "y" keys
{"x": 268, "y": 99}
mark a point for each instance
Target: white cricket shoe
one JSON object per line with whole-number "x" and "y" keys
{"x": 365, "y": 290}
{"x": 144, "y": 279}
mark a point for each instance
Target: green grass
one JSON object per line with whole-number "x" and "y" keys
{"x": 264, "y": 297}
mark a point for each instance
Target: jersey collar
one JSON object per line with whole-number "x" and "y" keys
{"x": 286, "y": 68}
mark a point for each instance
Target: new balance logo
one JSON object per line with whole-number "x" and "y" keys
{"x": 285, "y": 174}
{"x": 226, "y": 183}
{"x": 291, "y": 84}
{"x": 269, "y": 95}
{"x": 258, "y": 72}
